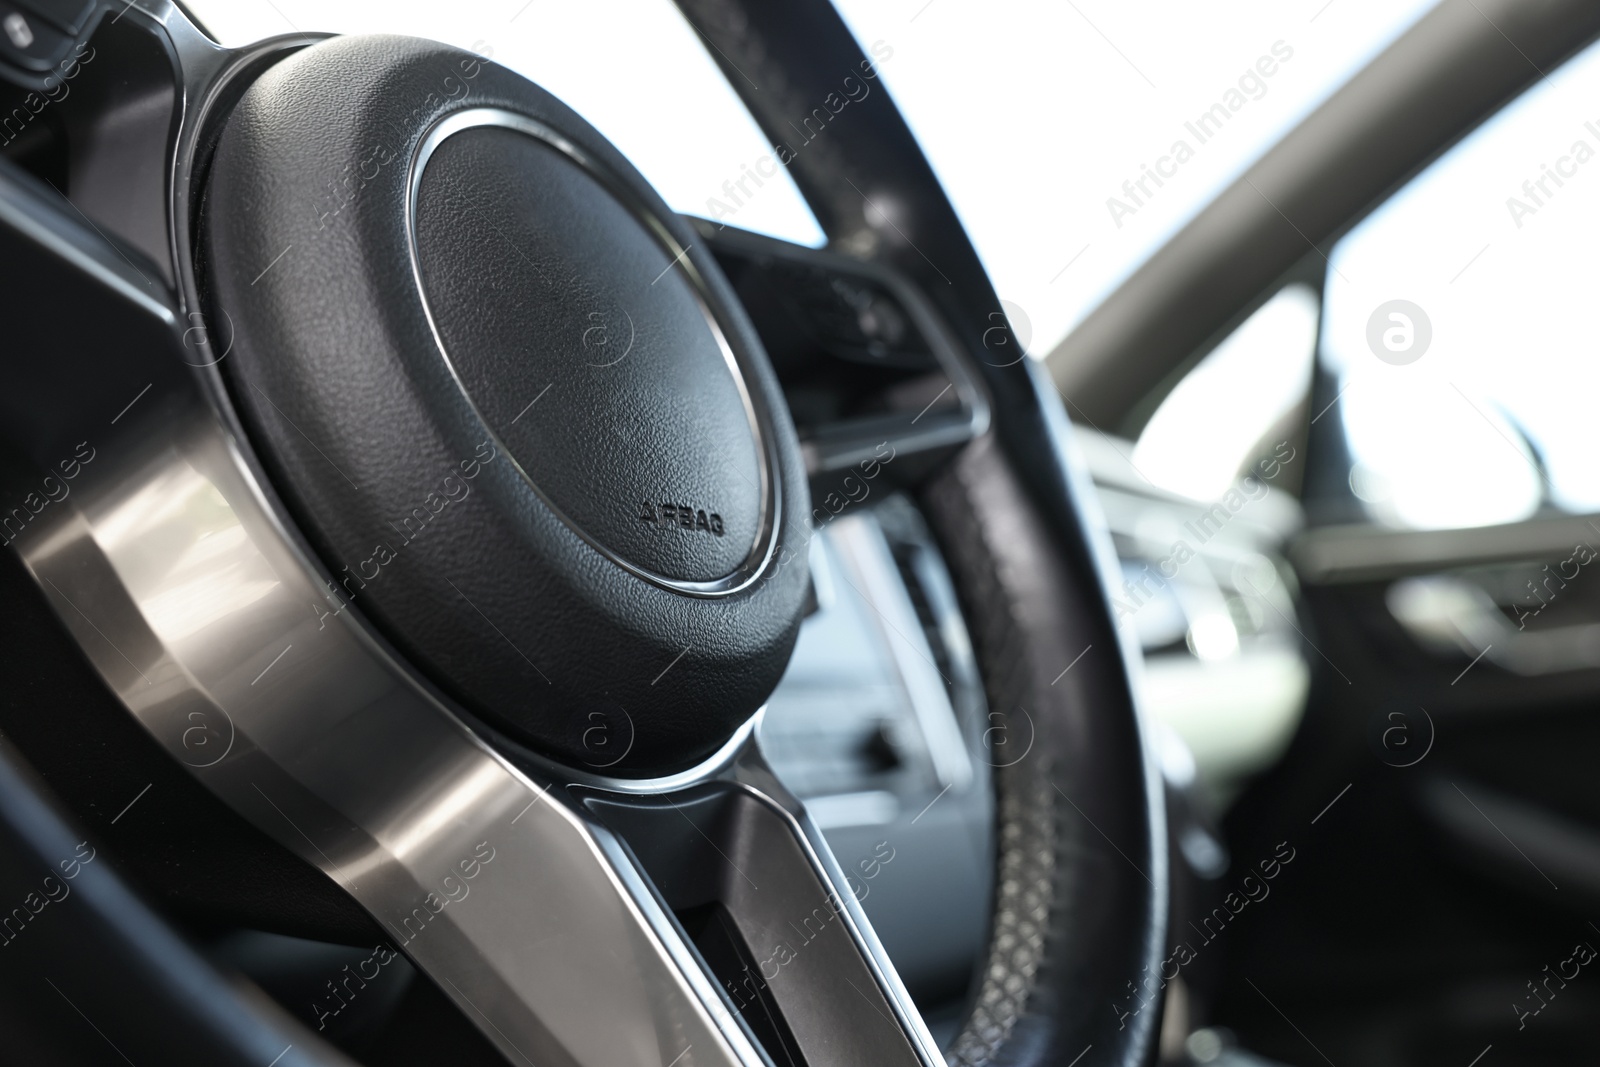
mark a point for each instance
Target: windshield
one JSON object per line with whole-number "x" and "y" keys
{"x": 1074, "y": 139}
{"x": 635, "y": 69}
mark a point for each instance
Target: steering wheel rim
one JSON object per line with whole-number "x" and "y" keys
{"x": 1081, "y": 900}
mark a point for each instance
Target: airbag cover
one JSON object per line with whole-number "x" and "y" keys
{"x": 514, "y": 408}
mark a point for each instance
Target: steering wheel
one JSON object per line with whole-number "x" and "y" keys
{"x": 436, "y": 521}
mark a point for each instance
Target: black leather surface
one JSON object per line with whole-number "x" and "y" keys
{"x": 548, "y": 292}
{"x": 423, "y": 523}
{"x": 1080, "y": 875}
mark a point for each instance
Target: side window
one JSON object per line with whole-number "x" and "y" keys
{"x": 1223, "y": 414}
{"x": 1459, "y": 331}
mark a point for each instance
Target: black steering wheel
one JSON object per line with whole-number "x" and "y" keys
{"x": 416, "y": 501}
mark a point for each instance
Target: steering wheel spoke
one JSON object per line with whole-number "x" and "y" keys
{"x": 576, "y": 919}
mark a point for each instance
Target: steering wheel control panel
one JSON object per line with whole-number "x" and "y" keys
{"x": 863, "y": 359}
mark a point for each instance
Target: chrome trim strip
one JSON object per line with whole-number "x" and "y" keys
{"x": 865, "y": 551}
{"x": 764, "y": 546}
{"x": 711, "y": 767}
{"x": 1367, "y": 552}
{"x": 173, "y": 575}
{"x": 758, "y": 778}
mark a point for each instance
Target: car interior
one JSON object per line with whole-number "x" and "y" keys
{"x": 533, "y": 536}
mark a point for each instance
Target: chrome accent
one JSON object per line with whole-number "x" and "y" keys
{"x": 215, "y": 632}
{"x": 192, "y": 595}
{"x": 759, "y": 779}
{"x": 865, "y": 555}
{"x": 717, "y": 764}
{"x": 762, "y": 549}
{"x": 1366, "y": 552}
{"x": 212, "y": 628}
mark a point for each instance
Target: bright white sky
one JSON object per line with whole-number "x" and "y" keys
{"x": 1510, "y": 296}
{"x": 1033, "y": 112}
{"x": 1207, "y": 426}
{"x": 634, "y": 68}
